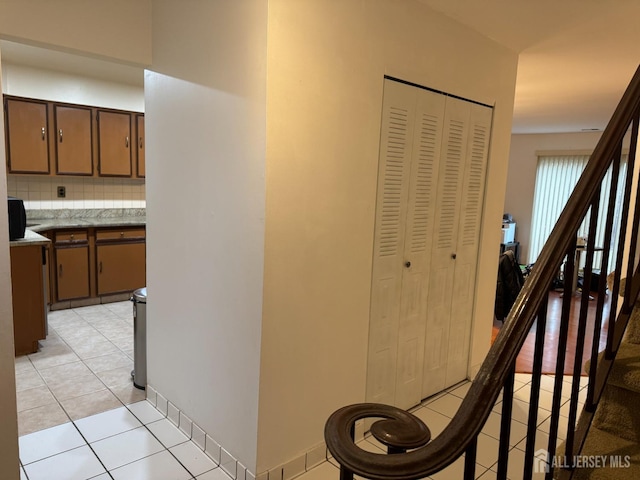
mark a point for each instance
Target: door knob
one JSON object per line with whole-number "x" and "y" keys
{"x": 407, "y": 264}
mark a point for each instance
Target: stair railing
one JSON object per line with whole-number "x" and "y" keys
{"x": 411, "y": 452}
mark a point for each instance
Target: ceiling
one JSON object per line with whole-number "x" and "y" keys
{"x": 576, "y": 56}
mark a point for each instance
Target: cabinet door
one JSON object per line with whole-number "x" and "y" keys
{"x": 73, "y": 140}
{"x": 27, "y": 143}
{"x": 72, "y": 272}
{"x": 114, "y": 140}
{"x": 141, "y": 171}
{"x": 121, "y": 267}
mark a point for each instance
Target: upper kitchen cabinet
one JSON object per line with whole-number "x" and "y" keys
{"x": 73, "y": 138}
{"x": 26, "y": 127}
{"x": 114, "y": 144}
{"x": 140, "y": 170}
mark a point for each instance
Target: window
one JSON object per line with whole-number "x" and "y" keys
{"x": 556, "y": 177}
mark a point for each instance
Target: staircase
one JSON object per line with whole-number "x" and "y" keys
{"x": 615, "y": 431}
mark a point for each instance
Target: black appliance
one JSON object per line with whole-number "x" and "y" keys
{"x": 17, "y": 218}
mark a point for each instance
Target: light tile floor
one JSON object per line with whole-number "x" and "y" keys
{"x": 83, "y": 367}
{"x": 133, "y": 442}
{"x": 80, "y": 417}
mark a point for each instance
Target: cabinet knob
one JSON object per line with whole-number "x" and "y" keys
{"x": 140, "y": 143}
{"x": 122, "y": 234}
{"x": 60, "y": 135}
{"x": 60, "y": 270}
{"x": 72, "y": 236}
{"x": 42, "y": 133}
{"x": 453, "y": 255}
{"x": 407, "y": 264}
{"x": 126, "y": 142}
{"x": 100, "y": 266}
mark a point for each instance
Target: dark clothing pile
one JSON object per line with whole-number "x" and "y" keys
{"x": 510, "y": 282}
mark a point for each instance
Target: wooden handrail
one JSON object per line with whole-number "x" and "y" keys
{"x": 485, "y": 388}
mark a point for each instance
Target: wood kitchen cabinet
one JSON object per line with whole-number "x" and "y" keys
{"x": 71, "y": 250}
{"x": 140, "y": 169}
{"x": 54, "y": 138}
{"x": 121, "y": 260}
{"x": 114, "y": 144}
{"x": 26, "y": 126}
{"x": 73, "y": 140}
{"x": 28, "y": 297}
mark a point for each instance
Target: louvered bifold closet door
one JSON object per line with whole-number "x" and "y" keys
{"x": 396, "y": 143}
{"x": 409, "y": 156}
{"x": 443, "y": 256}
{"x": 464, "y": 281}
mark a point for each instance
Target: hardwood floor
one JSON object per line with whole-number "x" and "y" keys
{"x": 524, "y": 362}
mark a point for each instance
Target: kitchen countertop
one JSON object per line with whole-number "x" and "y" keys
{"x": 30, "y": 239}
{"x": 43, "y": 220}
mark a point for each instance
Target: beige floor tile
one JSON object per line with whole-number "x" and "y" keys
{"x": 76, "y": 387}
{"x": 51, "y": 357}
{"x": 115, "y": 377}
{"x": 62, "y": 372}
{"x": 39, "y": 418}
{"x": 89, "y": 339}
{"x": 86, "y": 405}
{"x": 34, "y": 397}
{"x": 96, "y": 349}
{"x": 123, "y": 309}
{"x": 80, "y": 331}
{"x": 91, "y": 310}
{"x": 62, "y": 317}
{"x": 117, "y": 330}
{"x": 128, "y": 393}
{"x": 124, "y": 343}
{"x": 52, "y": 340}
{"x": 108, "y": 362}
{"x": 28, "y": 379}
{"x": 23, "y": 364}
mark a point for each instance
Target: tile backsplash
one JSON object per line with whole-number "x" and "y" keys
{"x": 40, "y": 193}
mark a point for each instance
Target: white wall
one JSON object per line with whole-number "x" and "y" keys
{"x": 8, "y": 411}
{"x": 521, "y": 179}
{"x": 117, "y": 29}
{"x": 33, "y": 82}
{"x": 205, "y": 132}
{"x": 326, "y": 62}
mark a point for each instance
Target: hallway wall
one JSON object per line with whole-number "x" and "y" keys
{"x": 8, "y": 418}
{"x": 205, "y": 132}
{"x": 326, "y": 62}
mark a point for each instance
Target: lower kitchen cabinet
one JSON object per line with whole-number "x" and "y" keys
{"x": 96, "y": 264}
{"x": 72, "y": 265}
{"x": 121, "y": 267}
{"x": 28, "y": 297}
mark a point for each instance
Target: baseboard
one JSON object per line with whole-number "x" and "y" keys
{"x": 220, "y": 456}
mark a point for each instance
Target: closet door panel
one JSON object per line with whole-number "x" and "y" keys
{"x": 396, "y": 141}
{"x": 468, "y": 243}
{"x": 417, "y": 251}
{"x": 444, "y": 250}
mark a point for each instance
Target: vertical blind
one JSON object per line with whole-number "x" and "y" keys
{"x": 556, "y": 177}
